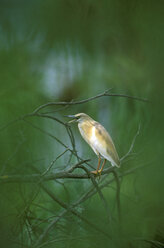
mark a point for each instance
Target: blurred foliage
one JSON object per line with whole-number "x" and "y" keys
{"x": 70, "y": 49}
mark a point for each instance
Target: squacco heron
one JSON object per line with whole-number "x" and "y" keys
{"x": 98, "y": 139}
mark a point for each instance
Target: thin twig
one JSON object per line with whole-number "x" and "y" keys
{"x": 59, "y": 141}
{"x": 71, "y": 102}
{"x": 91, "y": 192}
{"x": 48, "y": 228}
{"x": 11, "y": 157}
{"x": 74, "y": 212}
{"x": 69, "y": 173}
{"x": 52, "y": 176}
{"x": 105, "y": 93}
{"x": 130, "y": 97}
{"x": 132, "y": 144}
{"x": 117, "y": 194}
{"x": 102, "y": 198}
{"x": 47, "y": 133}
{"x": 154, "y": 243}
{"x": 53, "y": 162}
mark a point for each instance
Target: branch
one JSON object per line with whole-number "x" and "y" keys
{"x": 91, "y": 192}
{"x": 154, "y": 243}
{"x": 105, "y": 93}
{"x": 69, "y": 173}
{"x": 59, "y": 141}
{"x": 65, "y": 173}
{"x": 118, "y": 194}
{"x": 130, "y": 97}
{"x": 69, "y": 209}
{"x": 102, "y": 198}
{"x": 33, "y": 178}
{"x": 48, "y": 228}
{"x": 132, "y": 144}
{"x": 53, "y": 162}
{"x": 37, "y": 177}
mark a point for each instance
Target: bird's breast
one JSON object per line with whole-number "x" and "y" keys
{"x": 85, "y": 129}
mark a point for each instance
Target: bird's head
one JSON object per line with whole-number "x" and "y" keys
{"x": 78, "y": 117}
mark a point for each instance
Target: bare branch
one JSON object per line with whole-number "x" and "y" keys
{"x": 52, "y": 176}
{"x": 117, "y": 194}
{"x": 53, "y": 162}
{"x": 46, "y": 133}
{"x": 11, "y": 157}
{"x": 102, "y": 198}
{"x": 48, "y": 228}
{"x": 91, "y": 192}
{"x": 132, "y": 144}
{"x": 130, "y": 97}
{"x": 69, "y": 209}
{"x": 59, "y": 141}
{"x": 154, "y": 243}
{"x": 71, "y": 102}
{"x": 105, "y": 93}
{"x": 38, "y": 177}
{"x": 10, "y": 123}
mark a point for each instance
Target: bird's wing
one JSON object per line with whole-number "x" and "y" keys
{"x": 107, "y": 149}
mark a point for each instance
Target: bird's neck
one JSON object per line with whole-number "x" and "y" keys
{"x": 85, "y": 128}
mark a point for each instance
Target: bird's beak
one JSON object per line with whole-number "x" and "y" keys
{"x": 71, "y": 116}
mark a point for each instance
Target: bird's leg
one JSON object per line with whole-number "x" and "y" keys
{"x": 98, "y": 166}
{"x": 99, "y": 171}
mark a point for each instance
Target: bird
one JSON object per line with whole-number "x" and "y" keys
{"x": 98, "y": 139}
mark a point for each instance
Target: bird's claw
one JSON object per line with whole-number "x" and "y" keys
{"x": 97, "y": 173}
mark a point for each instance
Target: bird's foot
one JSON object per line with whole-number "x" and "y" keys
{"x": 97, "y": 172}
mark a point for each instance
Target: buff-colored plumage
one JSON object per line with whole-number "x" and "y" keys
{"x": 98, "y": 138}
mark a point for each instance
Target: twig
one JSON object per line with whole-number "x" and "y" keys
{"x": 38, "y": 178}
{"x": 48, "y": 228}
{"x": 117, "y": 194}
{"x": 72, "y": 139}
{"x": 102, "y": 198}
{"x": 49, "y": 117}
{"x": 105, "y": 93}
{"x": 71, "y": 102}
{"x": 132, "y": 144}
{"x": 154, "y": 243}
{"x": 11, "y": 157}
{"x": 10, "y": 123}
{"x": 69, "y": 209}
{"x": 91, "y": 192}
{"x": 47, "y": 133}
{"x": 52, "y": 163}
{"x": 59, "y": 141}
{"x": 52, "y": 176}
{"x": 130, "y": 97}
{"x": 87, "y": 195}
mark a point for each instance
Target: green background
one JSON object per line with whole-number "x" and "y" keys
{"x": 72, "y": 49}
